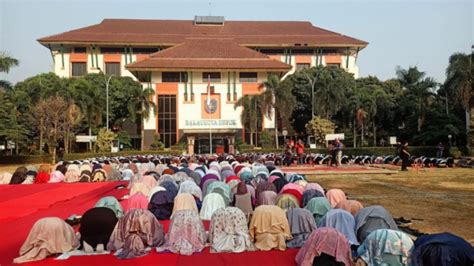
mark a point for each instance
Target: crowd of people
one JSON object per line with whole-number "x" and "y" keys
{"x": 249, "y": 202}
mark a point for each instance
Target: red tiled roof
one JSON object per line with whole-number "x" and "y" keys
{"x": 198, "y": 53}
{"x": 171, "y": 32}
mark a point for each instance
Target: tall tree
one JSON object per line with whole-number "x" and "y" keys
{"x": 140, "y": 106}
{"x": 89, "y": 97}
{"x": 251, "y": 111}
{"x": 6, "y": 62}
{"x": 52, "y": 112}
{"x": 458, "y": 84}
{"x": 418, "y": 88}
{"x": 280, "y": 99}
{"x": 330, "y": 84}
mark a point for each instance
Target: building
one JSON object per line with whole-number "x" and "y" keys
{"x": 178, "y": 58}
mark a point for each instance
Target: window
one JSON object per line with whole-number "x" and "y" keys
{"x": 112, "y": 69}
{"x": 79, "y": 50}
{"x": 78, "y": 69}
{"x": 146, "y": 50}
{"x": 301, "y": 66}
{"x": 112, "y": 50}
{"x": 167, "y": 119}
{"x": 174, "y": 77}
{"x": 214, "y": 76}
{"x": 248, "y": 77}
{"x": 272, "y": 51}
{"x": 333, "y": 65}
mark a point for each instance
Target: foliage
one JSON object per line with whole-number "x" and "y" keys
{"x": 124, "y": 139}
{"x": 324, "y": 88}
{"x": 319, "y": 128}
{"x": 252, "y": 110}
{"x": 157, "y": 144}
{"x": 266, "y": 140}
{"x": 455, "y": 153}
{"x": 51, "y": 112}
{"x": 104, "y": 140}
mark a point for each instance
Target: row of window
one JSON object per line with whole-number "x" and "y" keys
{"x": 118, "y": 50}
{"x": 214, "y": 77}
{"x": 149, "y": 50}
{"x": 80, "y": 69}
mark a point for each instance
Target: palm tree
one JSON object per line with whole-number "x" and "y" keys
{"x": 90, "y": 102}
{"x": 252, "y": 106}
{"x": 140, "y": 106}
{"x": 419, "y": 88}
{"x": 280, "y": 99}
{"x": 6, "y": 62}
{"x": 459, "y": 84}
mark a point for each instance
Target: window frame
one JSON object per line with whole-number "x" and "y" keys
{"x": 248, "y": 79}
{"x": 84, "y": 68}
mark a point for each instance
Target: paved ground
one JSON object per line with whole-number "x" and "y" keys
{"x": 436, "y": 200}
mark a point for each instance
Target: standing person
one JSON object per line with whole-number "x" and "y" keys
{"x": 405, "y": 155}
{"x": 440, "y": 150}
{"x": 332, "y": 153}
{"x": 288, "y": 153}
{"x": 300, "y": 151}
{"x": 338, "y": 151}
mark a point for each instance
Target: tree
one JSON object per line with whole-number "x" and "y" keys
{"x": 51, "y": 112}
{"x": 104, "y": 140}
{"x": 141, "y": 105}
{"x": 251, "y": 111}
{"x": 89, "y": 96}
{"x": 10, "y": 127}
{"x": 319, "y": 128}
{"x": 419, "y": 89}
{"x": 331, "y": 86}
{"x": 281, "y": 100}
{"x": 458, "y": 85}
{"x": 6, "y": 62}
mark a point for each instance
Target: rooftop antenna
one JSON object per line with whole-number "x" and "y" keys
{"x": 209, "y": 8}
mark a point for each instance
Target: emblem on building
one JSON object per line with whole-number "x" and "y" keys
{"x": 211, "y": 107}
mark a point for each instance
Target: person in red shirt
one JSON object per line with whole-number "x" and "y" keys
{"x": 300, "y": 151}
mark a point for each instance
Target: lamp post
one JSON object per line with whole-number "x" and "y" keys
{"x": 107, "y": 81}
{"x": 450, "y": 143}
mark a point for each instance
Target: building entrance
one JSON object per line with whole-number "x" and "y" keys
{"x": 220, "y": 144}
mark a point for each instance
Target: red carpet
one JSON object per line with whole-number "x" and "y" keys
{"x": 22, "y": 205}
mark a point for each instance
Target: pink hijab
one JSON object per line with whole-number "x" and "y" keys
{"x": 314, "y": 186}
{"x": 48, "y": 236}
{"x": 273, "y": 178}
{"x": 56, "y": 177}
{"x": 335, "y": 196}
{"x": 328, "y": 241}
{"x": 137, "y": 201}
{"x": 352, "y": 206}
{"x": 149, "y": 180}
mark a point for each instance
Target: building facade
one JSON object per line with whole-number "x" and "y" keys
{"x": 199, "y": 68}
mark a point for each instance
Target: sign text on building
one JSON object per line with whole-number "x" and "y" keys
{"x": 211, "y": 122}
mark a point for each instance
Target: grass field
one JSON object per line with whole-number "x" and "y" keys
{"x": 436, "y": 200}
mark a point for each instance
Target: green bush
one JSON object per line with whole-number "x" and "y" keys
{"x": 429, "y": 151}
{"x": 455, "y": 153}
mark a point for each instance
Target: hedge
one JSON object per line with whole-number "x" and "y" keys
{"x": 429, "y": 151}
{"x": 47, "y": 158}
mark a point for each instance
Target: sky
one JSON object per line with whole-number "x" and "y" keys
{"x": 422, "y": 33}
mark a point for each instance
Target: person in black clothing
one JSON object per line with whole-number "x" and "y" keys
{"x": 405, "y": 155}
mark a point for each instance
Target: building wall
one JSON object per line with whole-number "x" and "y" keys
{"x": 190, "y": 113}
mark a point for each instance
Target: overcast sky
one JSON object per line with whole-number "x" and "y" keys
{"x": 400, "y": 33}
